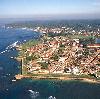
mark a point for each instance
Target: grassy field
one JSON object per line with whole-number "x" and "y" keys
{"x": 30, "y": 43}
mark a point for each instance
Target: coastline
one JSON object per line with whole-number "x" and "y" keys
{"x": 88, "y": 80}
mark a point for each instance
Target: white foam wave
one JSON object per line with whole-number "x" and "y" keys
{"x": 51, "y": 97}
{"x": 3, "y": 51}
{"x": 33, "y": 94}
{"x": 10, "y": 47}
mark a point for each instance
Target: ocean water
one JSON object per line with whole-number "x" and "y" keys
{"x": 34, "y": 89}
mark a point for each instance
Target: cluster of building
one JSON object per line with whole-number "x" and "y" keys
{"x": 61, "y": 55}
{"x": 88, "y": 31}
{"x": 47, "y": 30}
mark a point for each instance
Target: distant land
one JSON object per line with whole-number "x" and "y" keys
{"x": 20, "y": 18}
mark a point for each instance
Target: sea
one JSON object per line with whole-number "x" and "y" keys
{"x": 34, "y": 89}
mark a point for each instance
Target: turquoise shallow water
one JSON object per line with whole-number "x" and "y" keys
{"x": 35, "y": 89}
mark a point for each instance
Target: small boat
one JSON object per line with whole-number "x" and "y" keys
{"x": 8, "y": 74}
{"x": 7, "y": 89}
{"x": 13, "y": 80}
{"x": 11, "y": 57}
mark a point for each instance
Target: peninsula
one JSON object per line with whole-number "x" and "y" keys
{"x": 59, "y": 56}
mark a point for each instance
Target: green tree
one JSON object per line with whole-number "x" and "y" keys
{"x": 55, "y": 57}
{"x": 44, "y": 65}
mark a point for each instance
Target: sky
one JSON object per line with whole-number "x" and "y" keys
{"x": 50, "y": 8}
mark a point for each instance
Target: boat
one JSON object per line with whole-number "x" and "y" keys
{"x": 13, "y": 80}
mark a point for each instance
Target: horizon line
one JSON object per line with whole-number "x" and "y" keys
{"x": 70, "y": 15}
